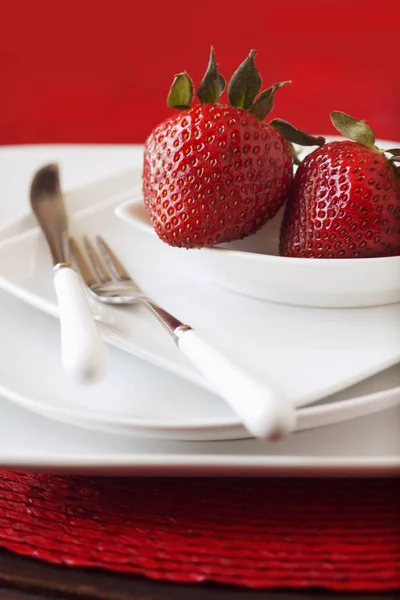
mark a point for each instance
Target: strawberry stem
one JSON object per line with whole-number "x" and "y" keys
{"x": 212, "y": 84}
{"x": 355, "y": 130}
{"x": 360, "y": 132}
{"x": 181, "y": 92}
{"x": 265, "y": 101}
{"x": 296, "y": 136}
{"x": 244, "y": 84}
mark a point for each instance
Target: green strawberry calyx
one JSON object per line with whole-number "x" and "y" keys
{"x": 265, "y": 101}
{"x": 243, "y": 92}
{"x": 296, "y": 136}
{"x": 360, "y": 132}
{"x": 213, "y": 83}
{"x": 245, "y": 84}
{"x": 181, "y": 93}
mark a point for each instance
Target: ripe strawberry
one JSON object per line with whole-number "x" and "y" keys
{"x": 345, "y": 199}
{"x": 216, "y": 173}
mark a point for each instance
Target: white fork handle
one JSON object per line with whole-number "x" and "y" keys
{"x": 263, "y": 411}
{"x": 83, "y": 352}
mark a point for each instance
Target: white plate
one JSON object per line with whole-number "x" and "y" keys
{"x": 131, "y": 400}
{"x": 81, "y": 165}
{"x": 253, "y": 267}
{"x": 367, "y": 446}
{"x": 323, "y": 350}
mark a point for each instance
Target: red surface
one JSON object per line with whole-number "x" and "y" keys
{"x": 83, "y": 71}
{"x": 257, "y": 533}
{"x": 86, "y": 72}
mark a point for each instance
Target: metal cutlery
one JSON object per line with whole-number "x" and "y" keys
{"x": 83, "y": 352}
{"x": 263, "y": 411}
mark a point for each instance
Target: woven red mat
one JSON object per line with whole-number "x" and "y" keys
{"x": 337, "y": 534}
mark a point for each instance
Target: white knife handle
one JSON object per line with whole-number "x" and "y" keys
{"x": 83, "y": 352}
{"x": 264, "y": 412}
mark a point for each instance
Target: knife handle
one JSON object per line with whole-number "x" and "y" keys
{"x": 83, "y": 352}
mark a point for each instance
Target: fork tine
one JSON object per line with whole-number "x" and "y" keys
{"x": 111, "y": 260}
{"x": 83, "y": 267}
{"x": 96, "y": 262}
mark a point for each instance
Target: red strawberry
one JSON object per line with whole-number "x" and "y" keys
{"x": 345, "y": 199}
{"x": 216, "y": 173}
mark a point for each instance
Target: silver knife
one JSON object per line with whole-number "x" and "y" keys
{"x": 83, "y": 352}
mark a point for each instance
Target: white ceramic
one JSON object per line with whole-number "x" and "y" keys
{"x": 253, "y": 267}
{"x": 78, "y": 185}
{"x": 131, "y": 400}
{"x": 366, "y": 446}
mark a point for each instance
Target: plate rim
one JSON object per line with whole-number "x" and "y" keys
{"x": 210, "y": 465}
{"x": 229, "y": 425}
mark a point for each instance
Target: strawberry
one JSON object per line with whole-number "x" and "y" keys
{"x": 216, "y": 173}
{"x": 345, "y": 199}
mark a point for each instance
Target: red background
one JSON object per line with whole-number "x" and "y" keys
{"x": 99, "y": 72}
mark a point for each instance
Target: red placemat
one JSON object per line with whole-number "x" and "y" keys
{"x": 337, "y": 534}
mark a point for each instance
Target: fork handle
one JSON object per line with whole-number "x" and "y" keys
{"x": 263, "y": 411}
{"x": 83, "y": 352}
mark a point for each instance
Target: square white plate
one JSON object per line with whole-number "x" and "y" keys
{"x": 366, "y": 446}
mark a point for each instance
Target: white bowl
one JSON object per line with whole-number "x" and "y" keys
{"x": 253, "y": 267}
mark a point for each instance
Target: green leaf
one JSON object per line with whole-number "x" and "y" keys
{"x": 265, "y": 102}
{"x": 244, "y": 84}
{"x": 181, "y": 92}
{"x": 358, "y": 131}
{"x": 296, "y": 136}
{"x": 212, "y": 84}
{"x": 394, "y": 151}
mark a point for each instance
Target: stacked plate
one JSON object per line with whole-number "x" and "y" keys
{"x": 154, "y": 413}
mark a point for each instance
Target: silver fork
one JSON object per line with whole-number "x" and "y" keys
{"x": 262, "y": 410}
